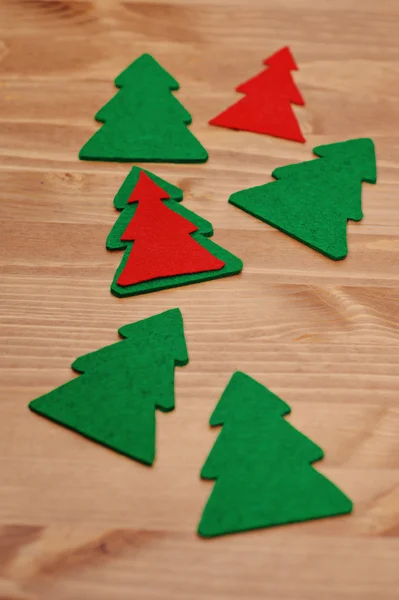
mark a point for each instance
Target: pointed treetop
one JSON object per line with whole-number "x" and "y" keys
{"x": 282, "y": 59}
{"x": 246, "y": 399}
{"x": 163, "y": 332}
{"x": 122, "y": 197}
{"x": 146, "y": 70}
{"x": 146, "y": 190}
{"x": 358, "y": 153}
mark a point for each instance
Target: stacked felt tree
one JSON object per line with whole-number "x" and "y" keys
{"x": 144, "y": 121}
{"x": 113, "y": 401}
{"x": 312, "y": 201}
{"x": 262, "y": 466}
{"x": 166, "y": 245}
{"x": 266, "y": 107}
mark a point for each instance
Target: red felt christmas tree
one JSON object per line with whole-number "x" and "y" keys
{"x": 266, "y": 107}
{"x": 163, "y": 245}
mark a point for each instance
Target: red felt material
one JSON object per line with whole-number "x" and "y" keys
{"x": 274, "y": 82}
{"x": 146, "y": 190}
{"x": 282, "y": 59}
{"x": 163, "y": 245}
{"x": 267, "y": 106}
{"x": 260, "y": 114}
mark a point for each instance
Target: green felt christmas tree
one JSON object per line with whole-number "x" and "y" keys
{"x": 312, "y": 201}
{"x": 144, "y": 121}
{"x": 149, "y": 231}
{"x": 262, "y": 466}
{"x": 114, "y": 399}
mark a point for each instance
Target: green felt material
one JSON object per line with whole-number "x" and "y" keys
{"x": 144, "y": 121}
{"x": 233, "y": 265}
{"x": 262, "y": 466}
{"x": 312, "y": 201}
{"x": 114, "y": 399}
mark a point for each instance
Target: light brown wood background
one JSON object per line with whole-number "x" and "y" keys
{"x": 80, "y": 522}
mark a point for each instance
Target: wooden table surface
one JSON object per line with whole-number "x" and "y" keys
{"x": 78, "y": 521}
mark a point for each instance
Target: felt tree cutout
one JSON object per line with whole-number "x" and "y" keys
{"x": 144, "y": 121}
{"x": 165, "y": 244}
{"x": 266, "y": 108}
{"x": 114, "y": 399}
{"x": 312, "y": 201}
{"x": 262, "y": 466}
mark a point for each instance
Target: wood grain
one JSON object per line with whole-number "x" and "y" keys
{"x": 79, "y": 522}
